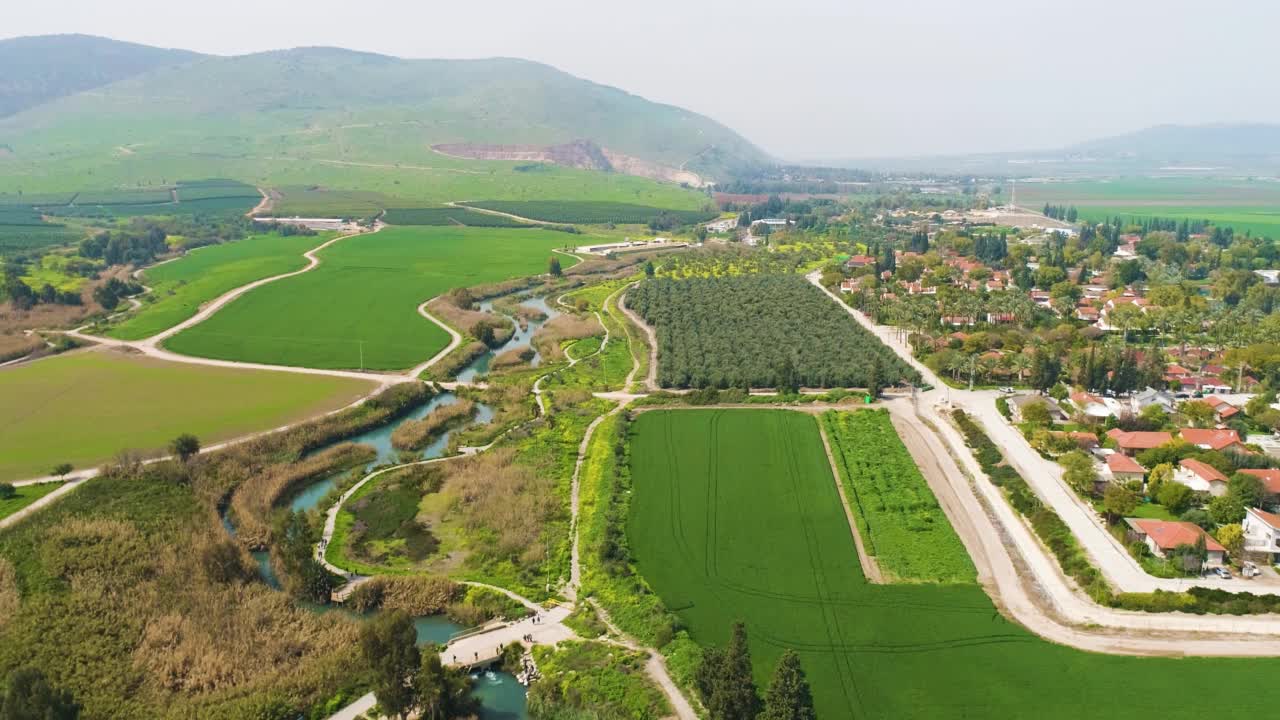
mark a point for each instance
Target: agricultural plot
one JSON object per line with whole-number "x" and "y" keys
{"x": 216, "y": 190}
{"x": 761, "y": 331}
{"x": 358, "y": 309}
{"x": 1244, "y": 205}
{"x": 898, "y": 517}
{"x": 449, "y": 216}
{"x": 125, "y": 197}
{"x": 587, "y": 213}
{"x": 23, "y": 229}
{"x": 735, "y": 516}
{"x": 180, "y": 287}
{"x": 86, "y": 407}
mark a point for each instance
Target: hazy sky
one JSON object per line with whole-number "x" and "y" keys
{"x": 804, "y": 79}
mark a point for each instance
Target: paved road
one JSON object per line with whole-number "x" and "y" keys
{"x": 1023, "y": 578}
{"x": 1045, "y": 478}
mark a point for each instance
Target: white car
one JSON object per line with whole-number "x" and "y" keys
{"x": 1222, "y": 572}
{"x": 1006, "y": 390}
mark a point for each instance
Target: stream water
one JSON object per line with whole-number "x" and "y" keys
{"x": 379, "y": 438}
{"x": 502, "y": 697}
{"x": 521, "y": 338}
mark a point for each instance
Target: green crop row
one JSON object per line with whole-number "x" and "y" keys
{"x": 898, "y": 516}
{"x": 448, "y": 216}
{"x": 586, "y": 213}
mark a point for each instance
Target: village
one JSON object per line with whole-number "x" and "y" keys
{"x": 1130, "y": 355}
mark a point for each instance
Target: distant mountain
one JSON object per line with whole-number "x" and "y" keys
{"x": 362, "y": 107}
{"x": 1188, "y": 143}
{"x": 40, "y": 69}
{"x": 1242, "y": 149}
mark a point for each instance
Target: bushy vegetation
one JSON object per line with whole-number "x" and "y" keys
{"x": 588, "y": 213}
{"x": 129, "y": 594}
{"x": 592, "y": 679}
{"x": 417, "y": 434}
{"x": 378, "y": 529}
{"x": 759, "y": 331}
{"x": 898, "y": 516}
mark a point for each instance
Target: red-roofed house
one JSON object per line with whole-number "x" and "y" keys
{"x": 1262, "y": 533}
{"x": 1201, "y": 477}
{"x": 1221, "y": 408}
{"x": 1213, "y": 439}
{"x": 1270, "y": 484}
{"x": 859, "y": 261}
{"x": 1124, "y": 468}
{"x": 1130, "y": 443}
{"x": 1163, "y": 536}
{"x": 1090, "y": 404}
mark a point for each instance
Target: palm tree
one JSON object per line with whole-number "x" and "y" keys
{"x": 1021, "y": 364}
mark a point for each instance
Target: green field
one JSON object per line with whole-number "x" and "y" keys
{"x": 580, "y": 212}
{"x": 86, "y": 407}
{"x": 1244, "y": 205}
{"x": 735, "y": 515}
{"x": 898, "y": 516}
{"x": 359, "y": 307}
{"x": 182, "y": 286}
{"x": 26, "y": 494}
{"x": 1263, "y": 221}
{"x": 449, "y": 216}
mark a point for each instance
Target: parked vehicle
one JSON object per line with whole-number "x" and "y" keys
{"x": 1250, "y": 571}
{"x": 1006, "y": 390}
{"x": 1222, "y": 572}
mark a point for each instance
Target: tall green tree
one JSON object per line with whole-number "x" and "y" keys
{"x": 389, "y": 644}
{"x": 789, "y": 697}
{"x": 29, "y": 696}
{"x": 553, "y": 266}
{"x": 443, "y": 693}
{"x": 728, "y": 689}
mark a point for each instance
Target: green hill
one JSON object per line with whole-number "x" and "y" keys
{"x": 338, "y": 118}
{"x": 40, "y": 69}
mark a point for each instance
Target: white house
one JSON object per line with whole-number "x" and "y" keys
{"x": 1201, "y": 477}
{"x": 1091, "y": 405}
{"x": 1261, "y": 533}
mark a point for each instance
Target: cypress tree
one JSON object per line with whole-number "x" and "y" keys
{"x": 789, "y": 696}
{"x": 734, "y": 695}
